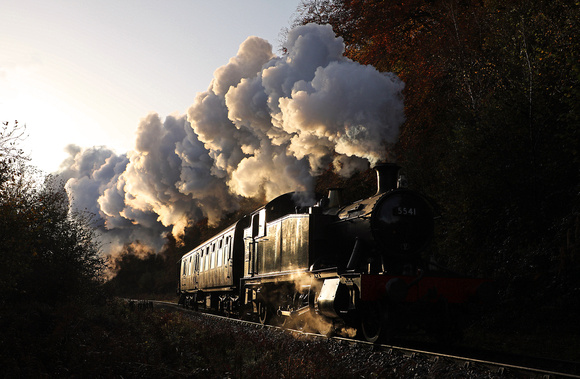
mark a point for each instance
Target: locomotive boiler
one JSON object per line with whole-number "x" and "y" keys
{"x": 353, "y": 267}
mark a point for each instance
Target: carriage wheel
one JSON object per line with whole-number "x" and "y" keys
{"x": 228, "y": 308}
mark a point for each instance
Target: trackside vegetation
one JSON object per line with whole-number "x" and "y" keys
{"x": 47, "y": 251}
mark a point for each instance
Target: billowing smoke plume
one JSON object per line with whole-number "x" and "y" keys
{"x": 265, "y": 126}
{"x": 160, "y": 186}
{"x": 271, "y": 123}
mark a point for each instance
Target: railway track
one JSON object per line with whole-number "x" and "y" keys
{"x": 498, "y": 364}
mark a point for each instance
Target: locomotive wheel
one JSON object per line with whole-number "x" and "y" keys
{"x": 374, "y": 325}
{"x": 444, "y": 326}
{"x": 264, "y": 313}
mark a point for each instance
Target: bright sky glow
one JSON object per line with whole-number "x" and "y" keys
{"x": 86, "y": 72}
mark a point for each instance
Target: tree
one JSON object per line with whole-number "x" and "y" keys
{"x": 47, "y": 253}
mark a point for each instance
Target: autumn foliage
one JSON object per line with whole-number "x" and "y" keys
{"x": 492, "y": 129}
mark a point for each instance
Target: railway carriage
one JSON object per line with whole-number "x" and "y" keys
{"x": 211, "y": 272}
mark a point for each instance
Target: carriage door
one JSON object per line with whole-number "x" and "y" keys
{"x": 254, "y": 244}
{"x": 196, "y": 271}
{"x": 258, "y": 233}
{"x": 183, "y": 274}
{"x": 228, "y": 258}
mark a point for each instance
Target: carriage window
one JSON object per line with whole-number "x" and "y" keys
{"x": 190, "y": 266}
{"x": 184, "y": 265}
{"x": 220, "y": 253}
{"x": 202, "y": 260}
{"x": 227, "y": 248}
{"x": 211, "y": 253}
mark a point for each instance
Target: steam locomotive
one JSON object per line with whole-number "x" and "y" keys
{"x": 350, "y": 268}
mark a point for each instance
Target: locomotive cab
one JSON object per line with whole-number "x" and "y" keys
{"x": 283, "y": 237}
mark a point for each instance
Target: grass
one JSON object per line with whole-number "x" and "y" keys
{"x": 110, "y": 339}
{"x": 113, "y": 340}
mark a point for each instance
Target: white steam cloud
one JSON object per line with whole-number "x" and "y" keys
{"x": 265, "y": 126}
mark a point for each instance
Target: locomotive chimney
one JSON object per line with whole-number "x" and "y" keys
{"x": 387, "y": 176}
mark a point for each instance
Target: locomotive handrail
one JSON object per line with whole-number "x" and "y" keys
{"x": 356, "y": 209}
{"x": 365, "y": 216}
{"x": 322, "y": 269}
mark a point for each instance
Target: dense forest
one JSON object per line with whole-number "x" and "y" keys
{"x": 492, "y": 131}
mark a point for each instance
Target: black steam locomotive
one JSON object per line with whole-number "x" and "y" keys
{"x": 354, "y": 268}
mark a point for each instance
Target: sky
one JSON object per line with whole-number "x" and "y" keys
{"x": 87, "y": 72}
